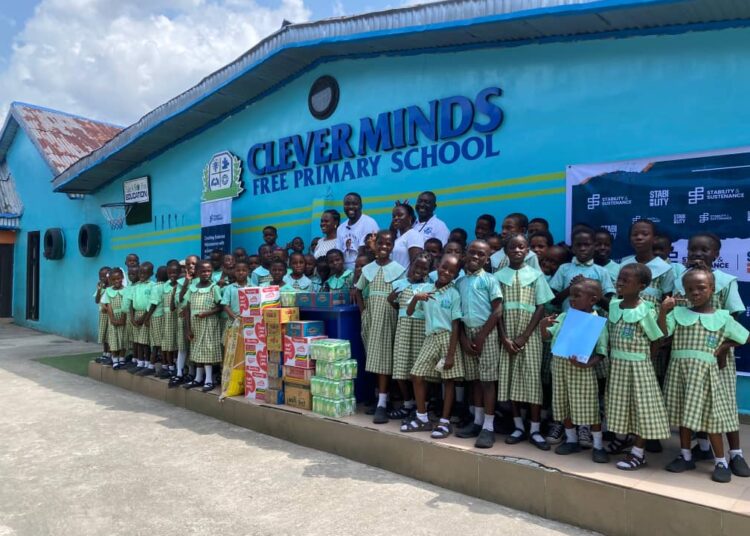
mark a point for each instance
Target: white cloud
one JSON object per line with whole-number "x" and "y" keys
{"x": 115, "y": 61}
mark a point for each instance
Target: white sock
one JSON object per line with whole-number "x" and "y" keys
{"x": 151, "y": 366}
{"x": 534, "y": 428}
{"x": 409, "y": 404}
{"x": 489, "y": 422}
{"x": 518, "y": 421}
{"x": 199, "y": 374}
{"x": 382, "y": 400}
{"x": 720, "y": 461}
{"x": 422, "y": 417}
{"x": 181, "y": 358}
{"x": 460, "y": 394}
{"x": 479, "y": 416}
{"x": 209, "y": 374}
{"x": 597, "y": 439}
{"x": 704, "y": 444}
{"x": 635, "y": 451}
{"x": 733, "y": 453}
{"x": 472, "y": 410}
{"x": 171, "y": 368}
{"x": 571, "y": 436}
{"x": 140, "y": 363}
{"x": 686, "y": 454}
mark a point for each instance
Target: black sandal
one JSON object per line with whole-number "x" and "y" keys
{"x": 207, "y": 387}
{"x": 631, "y": 462}
{"x": 399, "y": 414}
{"x": 441, "y": 431}
{"x": 618, "y": 446}
{"x": 191, "y": 384}
{"x": 416, "y": 426}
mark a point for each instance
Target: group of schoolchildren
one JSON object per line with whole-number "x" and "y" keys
{"x": 481, "y": 318}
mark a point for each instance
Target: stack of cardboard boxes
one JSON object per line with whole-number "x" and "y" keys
{"x": 299, "y": 367}
{"x": 275, "y": 320}
{"x": 332, "y": 387}
{"x": 254, "y": 303}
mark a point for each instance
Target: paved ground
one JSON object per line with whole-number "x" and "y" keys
{"x": 84, "y": 458}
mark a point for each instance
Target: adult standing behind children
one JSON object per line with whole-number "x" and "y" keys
{"x": 329, "y": 224}
{"x": 429, "y": 225}
{"x": 352, "y": 233}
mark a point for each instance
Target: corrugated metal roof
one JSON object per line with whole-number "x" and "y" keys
{"x": 287, "y": 52}
{"x": 62, "y": 139}
{"x": 11, "y": 206}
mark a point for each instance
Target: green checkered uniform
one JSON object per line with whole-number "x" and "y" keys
{"x": 520, "y": 375}
{"x": 575, "y": 391}
{"x": 634, "y": 403}
{"x": 206, "y": 343}
{"x": 696, "y": 396}
{"x": 142, "y": 333}
{"x": 549, "y": 309}
{"x": 156, "y": 330}
{"x": 183, "y": 344}
{"x": 381, "y": 327}
{"x": 435, "y": 348}
{"x": 102, "y": 327}
{"x": 409, "y": 337}
{"x": 116, "y": 338}
{"x": 485, "y": 367}
{"x": 169, "y": 333}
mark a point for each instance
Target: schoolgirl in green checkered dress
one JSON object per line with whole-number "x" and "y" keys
{"x": 703, "y": 250}
{"x": 697, "y": 399}
{"x": 481, "y": 306}
{"x": 359, "y": 264}
{"x": 525, "y": 291}
{"x": 441, "y": 355}
{"x": 112, "y": 301}
{"x": 575, "y": 392}
{"x": 378, "y": 278}
{"x": 168, "y": 343}
{"x": 634, "y": 405}
{"x": 140, "y": 302}
{"x": 101, "y": 286}
{"x": 204, "y": 332}
{"x": 409, "y": 336}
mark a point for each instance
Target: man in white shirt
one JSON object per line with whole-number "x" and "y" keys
{"x": 429, "y": 225}
{"x": 351, "y": 234}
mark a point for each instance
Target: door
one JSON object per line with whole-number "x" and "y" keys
{"x": 6, "y": 280}
{"x": 32, "y": 276}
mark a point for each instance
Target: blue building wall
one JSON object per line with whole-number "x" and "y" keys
{"x": 564, "y": 103}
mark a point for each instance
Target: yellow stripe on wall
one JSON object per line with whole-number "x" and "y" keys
{"x": 268, "y": 217}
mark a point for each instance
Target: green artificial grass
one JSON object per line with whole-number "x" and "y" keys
{"x": 75, "y": 364}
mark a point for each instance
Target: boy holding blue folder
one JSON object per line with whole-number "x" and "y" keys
{"x": 575, "y": 392}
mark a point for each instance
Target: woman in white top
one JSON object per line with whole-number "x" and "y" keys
{"x": 410, "y": 241}
{"x": 329, "y": 223}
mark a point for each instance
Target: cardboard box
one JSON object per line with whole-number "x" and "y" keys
{"x": 298, "y": 396}
{"x": 298, "y": 376}
{"x": 276, "y": 357}
{"x": 255, "y": 385}
{"x": 253, "y": 300}
{"x": 275, "y": 370}
{"x": 280, "y": 315}
{"x": 255, "y": 330}
{"x": 274, "y": 396}
{"x": 305, "y": 328}
{"x": 304, "y": 299}
{"x": 322, "y": 300}
{"x": 275, "y": 337}
{"x": 256, "y": 362}
{"x": 297, "y": 351}
{"x": 275, "y": 383}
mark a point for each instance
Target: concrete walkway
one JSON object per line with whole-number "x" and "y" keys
{"x": 81, "y": 457}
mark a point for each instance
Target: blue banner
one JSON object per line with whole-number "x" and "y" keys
{"x": 682, "y": 195}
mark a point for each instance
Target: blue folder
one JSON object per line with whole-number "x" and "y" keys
{"x": 578, "y": 335}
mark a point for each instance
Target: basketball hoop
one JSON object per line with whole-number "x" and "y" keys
{"x": 115, "y": 214}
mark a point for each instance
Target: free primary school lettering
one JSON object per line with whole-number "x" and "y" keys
{"x": 285, "y": 163}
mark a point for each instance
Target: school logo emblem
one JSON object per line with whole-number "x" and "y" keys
{"x": 221, "y": 177}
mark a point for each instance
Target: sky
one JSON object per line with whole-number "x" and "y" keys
{"x": 116, "y": 60}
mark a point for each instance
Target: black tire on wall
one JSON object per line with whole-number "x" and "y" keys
{"x": 54, "y": 244}
{"x": 89, "y": 240}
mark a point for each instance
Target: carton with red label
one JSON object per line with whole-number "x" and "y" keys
{"x": 253, "y": 300}
{"x": 297, "y": 351}
{"x": 258, "y": 361}
{"x": 255, "y": 385}
{"x": 254, "y": 329}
